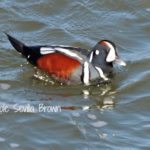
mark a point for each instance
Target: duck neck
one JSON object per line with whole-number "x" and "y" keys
{"x": 100, "y": 62}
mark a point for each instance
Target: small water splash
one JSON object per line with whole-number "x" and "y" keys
{"x": 86, "y": 94}
{"x": 103, "y": 135}
{"x": 108, "y": 103}
{"x": 43, "y": 76}
{"x": 84, "y": 108}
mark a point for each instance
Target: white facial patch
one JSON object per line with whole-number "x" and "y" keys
{"x": 111, "y": 55}
{"x": 46, "y": 50}
{"x": 86, "y": 73}
{"x": 101, "y": 73}
{"x": 97, "y": 52}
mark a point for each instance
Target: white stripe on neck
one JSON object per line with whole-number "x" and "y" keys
{"x": 100, "y": 71}
{"x": 86, "y": 73}
{"x": 91, "y": 57}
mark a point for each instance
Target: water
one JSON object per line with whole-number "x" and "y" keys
{"x": 113, "y": 116}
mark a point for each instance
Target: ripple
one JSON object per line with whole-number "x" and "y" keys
{"x": 148, "y": 9}
{"x": 103, "y": 135}
{"x": 2, "y": 139}
{"x": 28, "y": 25}
{"x": 91, "y": 116}
{"x": 99, "y": 124}
{"x": 76, "y": 114}
{"x": 83, "y": 130}
{"x": 14, "y": 145}
{"x": 4, "y": 86}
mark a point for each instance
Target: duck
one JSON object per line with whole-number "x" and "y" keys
{"x": 72, "y": 65}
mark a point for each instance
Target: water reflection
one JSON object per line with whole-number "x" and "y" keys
{"x": 103, "y": 98}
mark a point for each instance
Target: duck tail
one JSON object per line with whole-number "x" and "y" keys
{"x": 19, "y": 46}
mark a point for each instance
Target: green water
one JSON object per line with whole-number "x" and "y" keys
{"x": 113, "y": 116}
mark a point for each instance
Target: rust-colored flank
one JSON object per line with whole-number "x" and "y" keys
{"x": 58, "y": 65}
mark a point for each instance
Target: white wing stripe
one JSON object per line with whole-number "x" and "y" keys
{"x": 46, "y": 50}
{"x": 68, "y": 52}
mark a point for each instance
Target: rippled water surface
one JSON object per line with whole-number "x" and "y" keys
{"x": 113, "y": 116}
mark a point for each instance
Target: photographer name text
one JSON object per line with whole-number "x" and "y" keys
{"x": 28, "y": 108}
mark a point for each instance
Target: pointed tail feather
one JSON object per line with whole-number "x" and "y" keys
{"x": 19, "y": 46}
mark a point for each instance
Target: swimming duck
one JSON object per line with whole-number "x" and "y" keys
{"x": 72, "y": 65}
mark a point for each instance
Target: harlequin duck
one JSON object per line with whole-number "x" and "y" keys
{"x": 70, "y": 64}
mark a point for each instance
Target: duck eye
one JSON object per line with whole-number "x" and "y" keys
{"x": 97, "y": 52}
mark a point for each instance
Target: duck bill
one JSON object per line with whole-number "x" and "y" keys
{"x": 120, "y": 62}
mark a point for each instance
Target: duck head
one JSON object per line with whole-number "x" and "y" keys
{"x": 105, "y": 55}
